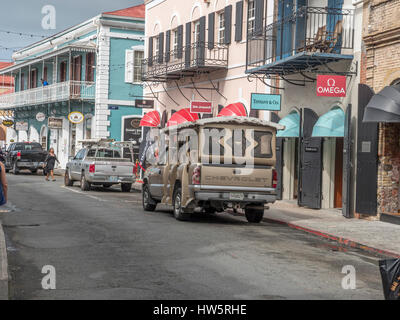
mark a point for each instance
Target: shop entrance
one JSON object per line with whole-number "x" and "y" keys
{"x": 290, "y": 177}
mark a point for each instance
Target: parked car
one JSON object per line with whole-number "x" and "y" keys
{"x": 198, "y": 181}
{"x": 25, "y": 156}
{"x": 100, "y": 166}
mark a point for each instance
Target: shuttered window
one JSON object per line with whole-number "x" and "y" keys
{"x": 150, "y": 53}
{"x": 160, "y": 55}
{"x": 188, "y": 44}
{"x": 167, "y": 45}
{"x": 137, "y": 65}
{"x": 211, "y": 30}
{"x": 228, "y": 24}
{"x": 259, "y": 16}
{"x": 180, "y": 42}
{"x": 239, "y": 21}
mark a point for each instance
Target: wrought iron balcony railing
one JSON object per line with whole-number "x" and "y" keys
{"x": 74, "y": 90}
{"x": 309, "y": 30}
{"x": 190, "y": 60}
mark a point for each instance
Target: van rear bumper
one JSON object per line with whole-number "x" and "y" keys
{"x": 229, "y": 194}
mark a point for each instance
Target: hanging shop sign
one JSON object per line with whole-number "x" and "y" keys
{"x": 331, "y": 86}
{"x": 76, "y": 117}
{"x": 21, "y": 126}
{"x": 144, "y": 104}
{"x": 55, "y": 123}
{"x": 8, "y": 123}
{"x": 269, "y": 102}
{"x": 201, "y": 107}
{"x": 40, "y": 117}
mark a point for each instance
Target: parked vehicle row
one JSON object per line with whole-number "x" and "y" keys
{"x": 24, "y": 156}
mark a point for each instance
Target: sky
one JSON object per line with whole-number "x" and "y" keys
{"x": 25, "y": 16}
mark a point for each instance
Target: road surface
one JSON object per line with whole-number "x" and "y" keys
{"x": 104, "y": 246}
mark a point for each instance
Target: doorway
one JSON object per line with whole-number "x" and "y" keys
{"x": 290, "y": 177}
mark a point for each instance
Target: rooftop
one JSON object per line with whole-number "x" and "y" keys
{"x": 133, "y": 12}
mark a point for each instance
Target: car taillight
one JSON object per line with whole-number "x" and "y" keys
{"x": 196, "y": 175}
{"x": 274, "y": 179}
{"x": 92, "y": 168}
{"x": 19, "y": 155}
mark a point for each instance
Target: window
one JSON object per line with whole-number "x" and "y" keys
{"x": 138, "y": 56}
{"x": 156, "y": 47}
{"x": 196, "y": 39}
{"x": 33, "y": 79}
{"x": 91, "y": 153}
{"x": 251, "y": 17}
{"x": 175, "y": 44}
{"x": 108, "y": 153}
{"x": 88, "y": 128}
{"x": 22, "y": 84}
{"x": 28, "y": 147}
{"x": 44, "y": 74}
{"x": 90, "y": 66}
{"x": 221, "y": 27}
{"x": 63, "y": 71}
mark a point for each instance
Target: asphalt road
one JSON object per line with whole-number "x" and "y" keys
{"x": 104, "y": 246}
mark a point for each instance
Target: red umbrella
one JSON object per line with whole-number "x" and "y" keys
{"x": 151, "y": 119}
{"x": 182, "y": 116}
{"x": 235, "y": 109}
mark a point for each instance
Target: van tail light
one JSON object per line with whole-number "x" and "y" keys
{"x": 92, "y": 168}
{"x": 196, "y": 175}
{"x": 19, "y": 155}
{"x": 274, "y": 179}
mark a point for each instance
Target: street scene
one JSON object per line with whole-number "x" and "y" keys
{"x": 166, "y": 150}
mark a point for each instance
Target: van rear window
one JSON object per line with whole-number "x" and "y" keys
{"x": 28, "y": 147}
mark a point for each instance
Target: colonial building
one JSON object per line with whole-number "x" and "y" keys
{"x": 195, "y": 51}
{"x": 311, "y": 50}
{"x": 6, "y": 87}
{"x": 91, "y": 69}
{"x": 380, "y": 104}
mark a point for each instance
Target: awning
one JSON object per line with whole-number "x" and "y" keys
{"x": 331, "y": 124}
{"x": 235, "y": 109}
{"x": 182, "y": 116}
{"x": 292, "y": 126}
{"x": 384, "y": 106}
{"x": 151, "y": 119}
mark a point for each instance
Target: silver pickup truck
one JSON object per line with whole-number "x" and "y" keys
{"x": 100, "y": 166}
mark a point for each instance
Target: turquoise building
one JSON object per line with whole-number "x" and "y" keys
{"x": 91, "y": 71}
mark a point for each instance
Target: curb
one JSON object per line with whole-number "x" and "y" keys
{"x": 3, "y": 266}
{"x": 340, "y": 240}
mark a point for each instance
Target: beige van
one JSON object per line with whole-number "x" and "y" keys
{"x": 213, "y": 164}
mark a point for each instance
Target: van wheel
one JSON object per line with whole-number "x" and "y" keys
{"x": 254, "y": 214}
{"x": 179, "y": 214}
{"x": 126, "y": 187}
{"x": 67, "y": 180}
{"x": 85, "y": 185}
{"x": 15, "y": 168}
{"x": 146, "y": 198}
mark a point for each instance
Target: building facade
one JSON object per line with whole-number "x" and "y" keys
{"x": 6, "y": 87}
{"x": 380, "y": 77}
{"x": 195, "y": 51}
{"x": 90, "y": 69}
{"x": 308, "y": 48}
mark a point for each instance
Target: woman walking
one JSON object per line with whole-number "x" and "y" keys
{"x": 50, "y": 164}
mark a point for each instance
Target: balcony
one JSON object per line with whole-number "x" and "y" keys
{"x": 191, "y": 60}
{"x": 58, "y": 92}
{"x": 302, "y": 41}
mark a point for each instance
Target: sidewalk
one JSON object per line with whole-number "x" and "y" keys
{"x": 372, "y": 236}
{"x": 3, "y": 267}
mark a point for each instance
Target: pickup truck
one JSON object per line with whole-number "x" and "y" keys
{"x": 213, "y": 164}
{"x": 25, "y": 156}
{"x": 100, "y": 166}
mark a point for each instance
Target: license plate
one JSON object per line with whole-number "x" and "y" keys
{"x": 236, "y": 196}
{"x": 113, "y": 179}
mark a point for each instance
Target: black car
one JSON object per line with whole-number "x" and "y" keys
{"x": 25, "y": 155}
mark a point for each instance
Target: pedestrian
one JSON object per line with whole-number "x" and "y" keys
{"x": 44, "y": 82}
{"x": 3, "y": 185}
{"x": 50, "y": 164}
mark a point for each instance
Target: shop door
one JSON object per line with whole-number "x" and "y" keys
{"x": 77, "y": 76}
{"x": 367, "y": 157}
{"x": 310, "y": 163}
{"x": 338, "y": 173}
{"x": 347, "y": 165}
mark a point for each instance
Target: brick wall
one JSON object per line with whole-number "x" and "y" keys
{"x": 380, "y": 67}
{"x": 389, "y": 168}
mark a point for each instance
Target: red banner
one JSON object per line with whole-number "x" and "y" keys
{"x": 201, "y": 107}
{"x": 331, "y": 86}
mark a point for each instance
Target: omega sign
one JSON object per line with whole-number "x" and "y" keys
{"x": 331, "y": 86}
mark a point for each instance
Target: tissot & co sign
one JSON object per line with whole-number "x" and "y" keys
{"x": 331, "y": 86}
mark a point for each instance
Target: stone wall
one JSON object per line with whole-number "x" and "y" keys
{"x": 389, "y": 168}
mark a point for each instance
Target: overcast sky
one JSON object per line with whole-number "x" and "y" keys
{"x": 26, "y": 16}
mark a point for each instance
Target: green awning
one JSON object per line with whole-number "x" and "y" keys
{"x": 292, "y": 126}
{"x": 331, "y": 124}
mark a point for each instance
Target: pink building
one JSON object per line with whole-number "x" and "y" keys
{"x": 196, "y": 51}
